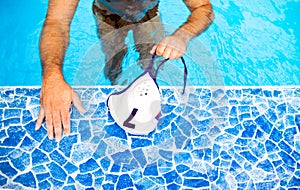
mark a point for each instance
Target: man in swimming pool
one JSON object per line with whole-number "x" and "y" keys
{"x": 57, "y": 95}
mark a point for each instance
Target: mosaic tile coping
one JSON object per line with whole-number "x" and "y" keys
{"x": 210, "y": 138}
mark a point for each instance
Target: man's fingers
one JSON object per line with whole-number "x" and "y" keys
{"x": 153, "y": 49}
{"x": 65, "y": 117}
{"x": 77, "y": 103}
{"x": 173, "y": 54}
{"x": 40, "y": 119}
{"x": 49, "y": 124}
{"x": 57, "y": 125}
{"x": 160, "y": 49}
{"x": 167, "y": 52}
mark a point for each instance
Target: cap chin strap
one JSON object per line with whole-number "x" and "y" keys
{"x": 149, "y": 69}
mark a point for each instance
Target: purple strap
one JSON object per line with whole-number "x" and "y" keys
{"x": 149, "y": 69}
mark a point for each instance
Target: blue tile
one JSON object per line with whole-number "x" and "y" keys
{"x": 184, "y": 125}
{"x": 172, "y": 176}
{"x": 7, "y": 169}
{"x": 28, "y": 91}
{"x": 202, "y": 141}
{"x": 69, "y": 187}
{"x": 27, "y": 179}
{"x": 158, "y": 180}
{"x": 115, "y": 168}
{"x": 250, "y": 129}
{"x": 18, "y": 102}
{"x": 39, "y": 157}
{"x": 276, "y": 135}
{"x": 44, "y": 185}
{"x": 178, "y": 136}
{"x": 66, "y": 144}
{"x": 194, "y": 174}
{"x": 15, "y": 136}
{"x": 212, "y": 104}
{"x": 166, "y": 154}
{"x": 162, "y": 137}
{"x": 140, "y": 157}
{"x": 287, "y": 159}
{"x": 12, "y": 113}
{"x": 289, "y": 134}
{"x": 57, "y": 172}
{"x": 88, "y": 166}
{"x": 144, "y": 183}
{"x": 182, "y": 168}
{"x": 151, "y": 170}
{"x": 36, "y": 135}
{"x": 165, "y": 121}
{"x": 242, "y": 177}
{"x": 139, "y": 142}
{"x": 56, "y": 183}
{"x": 115, "y": 131}
{"x": 266, "y": 185}
{"x": 164, "y": 164}
{"x": 235, "y": 168}
{"x": 98, "y": 173}
{"x": 193, "y": 100}
{"x": 201, "y": 125}
{"x": 111, "y": 178}
{"x": 173, "y": 186}
{"x": 3, "y": 180}
{"x": 249, "y": 157}
{"x": 224, "y": 155}
{"x": 101, "y": 150}
{"x": 124, "y": 182}
{"x": 284, "y": 146}
{"x": 85, "y": 179}
{"x": 264, "y": 124}
{"x": 20, "y": 159}
{"x": 131, "y": 166}
{"x": 266, "y": 165}
{"x": 70, "y": 168}
{"x": 28, "y": 144}
{"x": 58, "y": 158}
{"x": 294, "y": 182}
{"x": 48, "y": 145}
{"x": 195, "y": 183}
{"x": 183, "y": 158}
{"x": 42, "y": 177}
{"x": 39, "y": 169}
{"x": 166, "y": 108}
{"x": 84, "y": 129}
{"x": 108, "y": 186}
{"x": 270, "y": 146}
{"x": 281, "y": 110}
{"x": 221, "y": 111}
{"x": 98, "y": 182}
{"x": 122, "y": 157}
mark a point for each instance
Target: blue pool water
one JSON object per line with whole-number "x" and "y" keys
{"x": 237, "y": 126}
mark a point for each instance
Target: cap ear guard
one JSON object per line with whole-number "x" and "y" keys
{"x": 137, "y": 108}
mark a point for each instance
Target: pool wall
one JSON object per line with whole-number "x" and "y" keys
{"x": 222, "y": 138}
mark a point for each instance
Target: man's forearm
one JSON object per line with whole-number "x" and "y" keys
{"x": 200, "y": 18}
{"x": 53, "y": 44}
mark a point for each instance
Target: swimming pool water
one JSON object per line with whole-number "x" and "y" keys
{"x": 255, "y": 43}
{"x": 237, "y": 127}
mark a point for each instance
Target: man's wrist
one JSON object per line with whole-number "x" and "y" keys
{"x": 53, "y": 73}
{"x": 185, "y": 35}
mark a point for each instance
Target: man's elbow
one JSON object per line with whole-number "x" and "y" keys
{"x": 209, "y": 12}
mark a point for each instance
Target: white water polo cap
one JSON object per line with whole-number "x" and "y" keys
{"x": 136, "y": 109}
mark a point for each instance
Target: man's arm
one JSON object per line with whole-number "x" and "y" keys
{"x": 55, "y": 35}
{"x": 200, "y": 18}
{"x": 56, "y": 94}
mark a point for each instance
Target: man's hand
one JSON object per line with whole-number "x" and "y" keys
{"x": 172, "y": 47}
{"x": 56, "y": 98}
